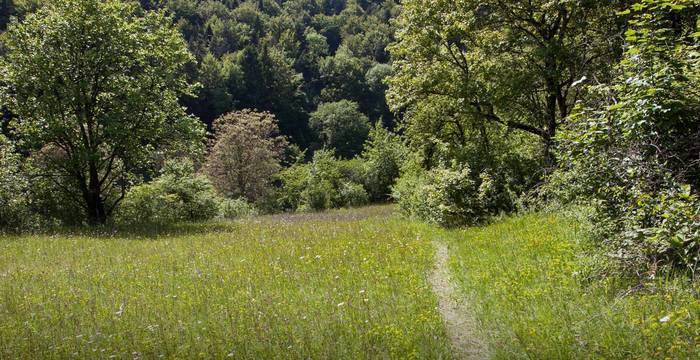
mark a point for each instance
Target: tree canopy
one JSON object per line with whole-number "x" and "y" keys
{"x": 516, "y": 64}
{"x": 95, "y": 87}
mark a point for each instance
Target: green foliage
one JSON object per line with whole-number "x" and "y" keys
{"x": 383, "y": 156}
{"x": 293, "y": 182}
{"x": 289, "y": 55}
{"x": 631, "y": 150}
{"x": 94, "y": 86}
{"x": 450, "y": 196}
{"x": 237, "y": 208}
{"x": 352, "y": 194}
{"x": 341, "y": 126}
{"x": 324, "y": 183}
{"x": 177, "y": 195}
{"x": 473, "y": 72}
{"x": 14, "y": 183}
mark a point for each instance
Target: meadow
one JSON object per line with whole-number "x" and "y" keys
{"x": 348, "y": 284}
{"x": 530, "y": 283}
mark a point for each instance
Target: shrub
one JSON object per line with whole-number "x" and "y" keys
{"x": 352, "y": 194}
{"x": 324, "y": 183}
{"x": 14, "y": 207}
{"x": 177, "y": 195}
{"x": 318, "y": 195}
{"x": 450, "y": 196}
{"x": 630, "y": 151}
{"x": 382, "y": 157}
{"x": 292, "y": 183}
{"x": 232, "y": 209}
{"x": 443, "y": 196}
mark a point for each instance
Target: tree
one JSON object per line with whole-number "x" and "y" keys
{"x": 376, "y": 78}
{"x": 245, "y": 154}
{"x": 341, "y": 126}
{"x": 632, "y": 148}
{"x": 271, "y": 84}
{"x": 513, "y": 63}
{"x": 95, "y": 85}
{"x": 344, "y": 78}
{"x": 14, "y": 183}
{"x": 383, "y": 155}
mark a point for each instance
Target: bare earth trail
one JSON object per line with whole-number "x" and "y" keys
{"x": 461, "y": 327}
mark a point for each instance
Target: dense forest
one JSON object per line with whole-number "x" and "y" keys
{"x": 285, "y": 57}
{"x": 459, "y": 111}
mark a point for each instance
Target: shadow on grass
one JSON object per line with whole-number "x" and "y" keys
{"x": 142, "y": 231}
{"x": 158, "y": 231}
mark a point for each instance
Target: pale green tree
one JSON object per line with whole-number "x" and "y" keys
{"x": 515, "y": 63}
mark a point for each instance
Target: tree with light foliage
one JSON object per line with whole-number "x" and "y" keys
{"x": 514, "y": 64}
{"x": 94, "y": 86}
{"x": 246, "y": 154}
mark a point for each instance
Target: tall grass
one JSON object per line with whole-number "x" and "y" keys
{"x": 525, "y": 279}
{"x": 268, "y": 288}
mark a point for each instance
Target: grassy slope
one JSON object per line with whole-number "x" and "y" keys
{"x": 524, "y": 280}
{"x": 280, "y": 287}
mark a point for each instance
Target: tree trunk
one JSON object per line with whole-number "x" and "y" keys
{"x": 93, "y": 198}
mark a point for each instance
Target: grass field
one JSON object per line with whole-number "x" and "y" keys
{"x": 526, "y": 284}
{"x": 349, "y": 284}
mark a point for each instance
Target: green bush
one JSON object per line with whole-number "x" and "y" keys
{"x": 292, "y": 183}
{"x": 323, "y": 183}
{"x": 629, "y": 152}
{"x": 318, "y": 195}
{"x": 353, "y": 195}
{"x": 383, "y": 157}
{"x": 177, "y": 195}
{"x": 232, "y": 209}
{"x": 450, "y": 196}
{"x": 14, "y": 206}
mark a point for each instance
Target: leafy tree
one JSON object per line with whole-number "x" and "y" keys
{"x": 14, "y": 214}
{"x": 344, "y": 78}
{"x": 316, "y": 48}
{"x": 383, "y": 156}
{"x": 95, "y": 85}
{"x": 245, "y": 155}
{"x": 512, "y": 63}
{"x": 271, "y": 84}
{"x": 215, "y": 95}
{"x": 341, "y": 126}
{"x": 631, "y": 149}
{"x": 376, "y": 78}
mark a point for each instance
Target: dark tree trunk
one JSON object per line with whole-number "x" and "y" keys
{"x": 93, "y": 198}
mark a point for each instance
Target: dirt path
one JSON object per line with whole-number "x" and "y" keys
{"x": 455, "y": 313}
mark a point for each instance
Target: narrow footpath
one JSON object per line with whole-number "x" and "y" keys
{"x": 460, "y": 325}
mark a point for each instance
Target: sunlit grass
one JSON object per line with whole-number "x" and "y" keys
{"x": 525, "y": 279}
{"x": 343, "y": 287}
